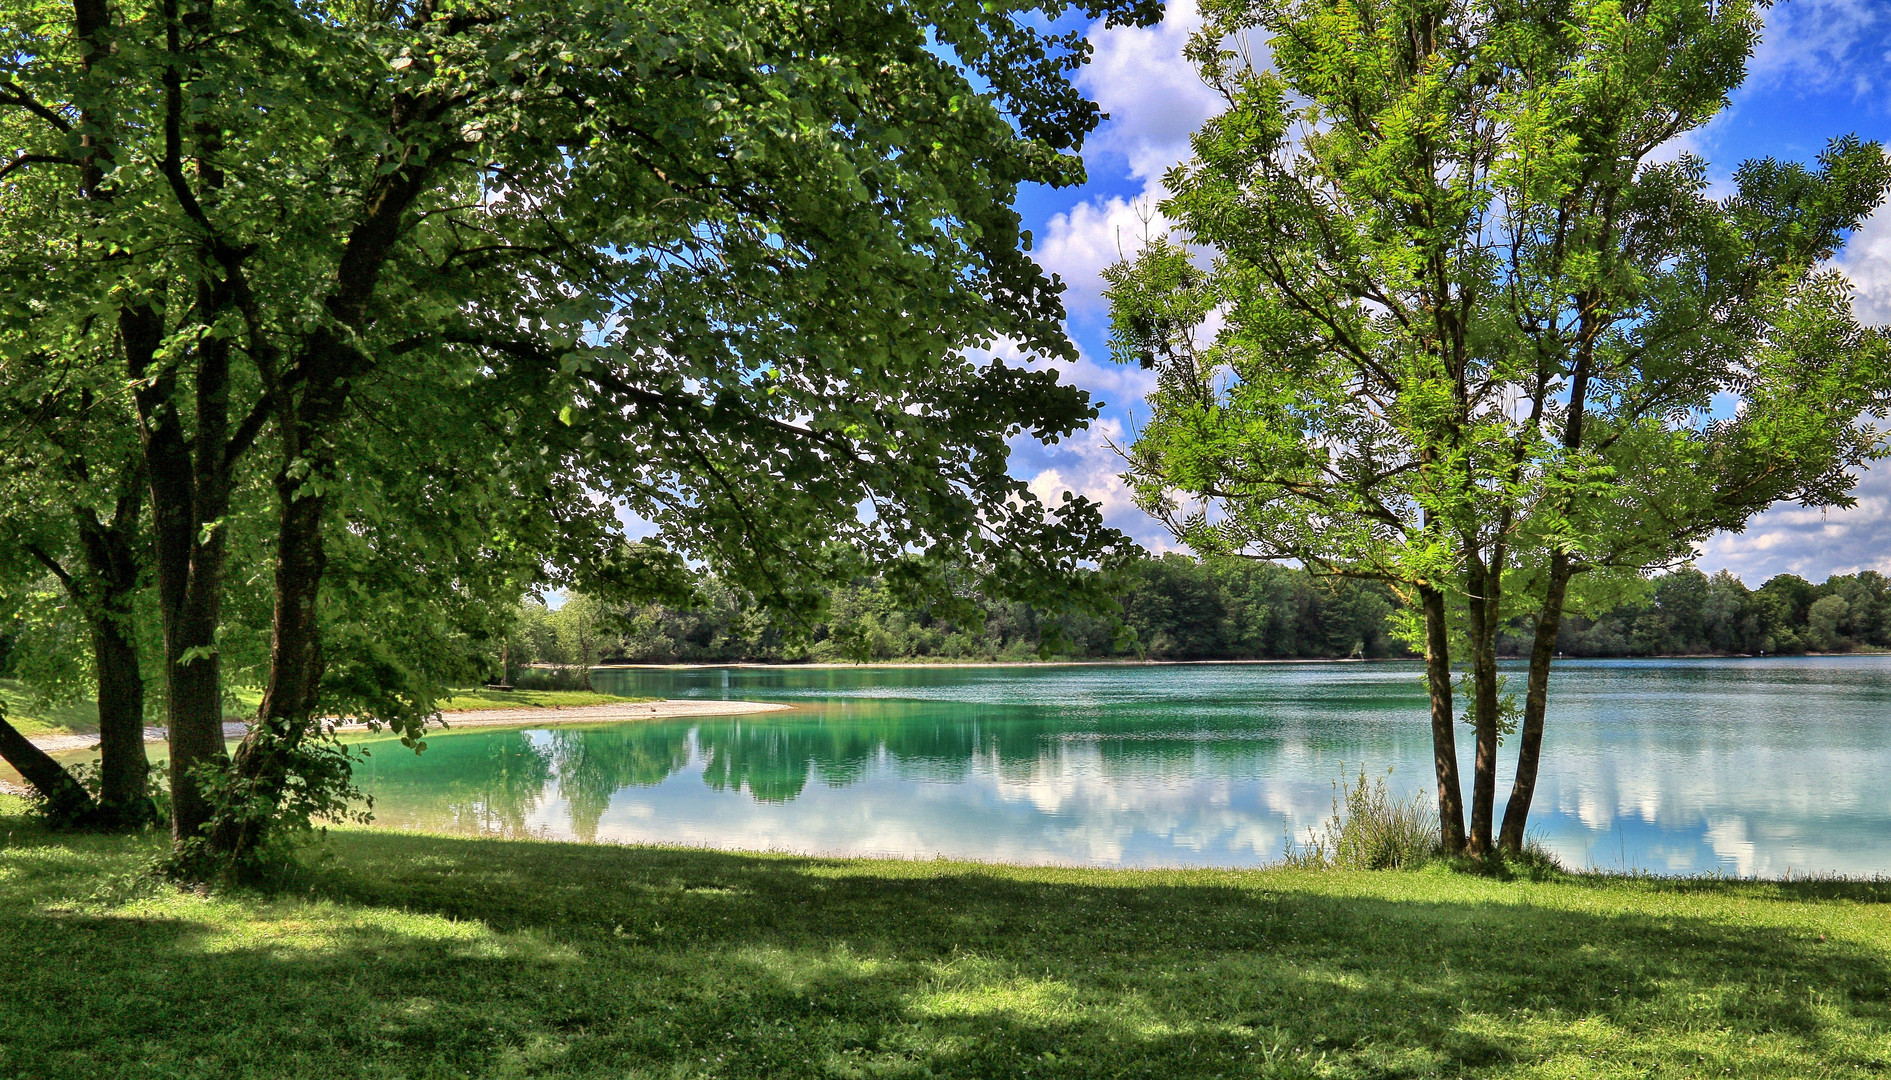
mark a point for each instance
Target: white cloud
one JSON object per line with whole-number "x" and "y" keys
{"x": 1823, "y": 46}
{"x": 1087, "y": 465}
{"x": 1791, "y": 539}
{"x": 1867, "y": 261}
{"x": 1154, "y": 98}
{"x": 1155, "y": 101}
{"x": 1092, "y": 235}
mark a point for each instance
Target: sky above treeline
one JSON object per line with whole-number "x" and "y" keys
{"x": 1823, "y": 69}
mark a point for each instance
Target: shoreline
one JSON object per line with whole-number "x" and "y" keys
{"x": 849, "y": 666}
{"x": 923, "y": 664}
{"x": 669, "y": 708}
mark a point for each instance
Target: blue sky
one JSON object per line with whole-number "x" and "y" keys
{"x": 1823, "y": 69}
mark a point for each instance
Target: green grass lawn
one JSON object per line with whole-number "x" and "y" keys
{"x": 32, "y": 717}
{"x": 402, "y": 955}
{"x": 468, "y": 700}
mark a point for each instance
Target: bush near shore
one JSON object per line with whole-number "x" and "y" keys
{"x": 401, "y": 955}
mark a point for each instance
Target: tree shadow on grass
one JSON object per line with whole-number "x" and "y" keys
{"x": 404, "y": 955}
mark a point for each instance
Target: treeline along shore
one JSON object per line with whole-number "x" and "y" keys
{"x": 1180, "y": 608}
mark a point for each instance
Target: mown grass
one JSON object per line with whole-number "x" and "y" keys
{"x": 402, "y": 955}
{"x": 479, "y": 698}
{"x": 468, "y": 700}
{"x": 34, "y": 717}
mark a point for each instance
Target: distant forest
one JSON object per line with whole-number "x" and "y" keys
{"x": 1178, "y": 608}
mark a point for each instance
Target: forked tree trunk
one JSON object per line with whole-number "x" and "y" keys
{"x": 1535, "y": 704}
{"x": 190, "y": 484}
{"x": 1444, "y": 742}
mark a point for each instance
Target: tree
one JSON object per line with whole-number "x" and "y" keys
{"x": 1477, "y": 338}
{"x": 71, "y": 507}
{"x": 727, "y": 261}
{"x": 1823, "y": 620}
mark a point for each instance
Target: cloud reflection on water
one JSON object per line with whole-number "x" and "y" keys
{"x": 1745, "y": 767}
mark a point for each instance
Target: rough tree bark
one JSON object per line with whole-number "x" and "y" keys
{"x": 1444, "y": 745}
{"x": 1483, "y": 609}
{"x": 190, "y": 486}
{"x": 114, "y": 568}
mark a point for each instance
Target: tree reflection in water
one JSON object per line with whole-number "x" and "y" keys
{"x": 593, "y": 765}
{"x": 491, "y": 783}
{"x": 499, "y": 781}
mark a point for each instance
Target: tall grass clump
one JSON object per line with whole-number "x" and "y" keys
{"x": 1369, "y": 830}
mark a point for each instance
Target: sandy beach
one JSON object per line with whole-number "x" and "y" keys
{"x": 575, "y": 714}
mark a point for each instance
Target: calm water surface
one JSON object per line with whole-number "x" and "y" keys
{"x": 1746, "y": 767}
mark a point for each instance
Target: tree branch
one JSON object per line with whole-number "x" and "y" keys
{"x": 11, "y": 94}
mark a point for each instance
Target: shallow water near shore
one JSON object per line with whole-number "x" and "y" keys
{"x": 1748, "y": 767}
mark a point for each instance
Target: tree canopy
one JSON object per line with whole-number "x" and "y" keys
{"x": 732, "y": 267}
{"x": 1470, "y": 324}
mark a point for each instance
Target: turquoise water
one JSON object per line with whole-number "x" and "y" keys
{"x": 1748, "y": 767}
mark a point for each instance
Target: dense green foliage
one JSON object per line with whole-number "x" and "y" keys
{"x": 351, "y": 323}
{"x": 1172, "y": 608}
{"x": 1177, "y": 608}
{"x": 1688, "y": 613}
{"x": 407, "y": 956}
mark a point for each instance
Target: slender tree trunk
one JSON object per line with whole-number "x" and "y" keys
{"x": 113, "y": 572}
{"x": 1535, "y": 703}
{"x": 1485, "y": 705}
{"x": 295, "y": 654}
{"x": 264, "y": 761}
{"x": 1543, "y": 648}
{"x": 66, "y": 801}
{"x": 1444, "y": 742}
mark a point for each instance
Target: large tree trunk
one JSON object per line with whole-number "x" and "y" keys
{"x": 190, "y": 485}
{"x": 124, "y": 769}
{"x": 66, "y": 801}
{"x": 1535, "y": 703}
{"x": 1444, "y": 742}
{"x": 264, "y": 760}
{"x": 196, "y": 709}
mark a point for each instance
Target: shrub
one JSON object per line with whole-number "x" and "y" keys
{"x": 552, "y": 677}
{"x": 1369, "y": 830}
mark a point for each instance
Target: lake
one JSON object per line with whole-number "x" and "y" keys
{"x": 1741, "y": 766}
